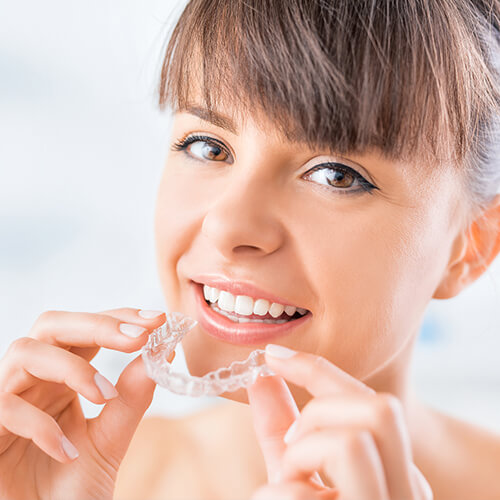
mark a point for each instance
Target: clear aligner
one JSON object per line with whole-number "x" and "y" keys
{"x": 163, "y": 340}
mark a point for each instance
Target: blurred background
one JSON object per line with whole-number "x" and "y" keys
{"x": 82, "y": 146}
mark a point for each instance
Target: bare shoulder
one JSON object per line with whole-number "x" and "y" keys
{"x": 460, "y": 459}
{"x": 481, "y": 443}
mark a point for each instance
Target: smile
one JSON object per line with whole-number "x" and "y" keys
{"x": 243, "y": 309}
{"x": 247, "y": 320}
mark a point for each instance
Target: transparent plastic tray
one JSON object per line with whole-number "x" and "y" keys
{"x": 163, "y": 340}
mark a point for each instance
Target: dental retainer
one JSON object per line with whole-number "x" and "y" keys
{"x": 163, "y": 340}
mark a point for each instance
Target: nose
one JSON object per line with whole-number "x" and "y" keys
{"x": 244, "y": 219}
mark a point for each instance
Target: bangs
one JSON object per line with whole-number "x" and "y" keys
{"x": 405, "y": 78}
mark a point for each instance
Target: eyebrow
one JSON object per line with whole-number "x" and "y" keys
{"x": 214, "y": 117}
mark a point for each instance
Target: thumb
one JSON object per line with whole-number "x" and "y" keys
{"x": 273, "y": 411}
{"x": 115, "y": 426}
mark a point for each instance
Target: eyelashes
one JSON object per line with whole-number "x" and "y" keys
{"x": 344, "y": 170}
{"x": 363, "y": 186}
{"x": 184, "y": 143}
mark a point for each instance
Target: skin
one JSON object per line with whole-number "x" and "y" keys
{"x": 259, "y": 219}
{"x": 254, "y": 216}
{"x": 41, "y": 376}
{"x": 361, "y": 431}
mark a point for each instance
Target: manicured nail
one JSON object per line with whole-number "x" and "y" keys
{"x": 290, "y": 432}
{"x": 279, "y": 351}
{"x": 149, "y": 314}
{"x": 107, "y": 389}
{"x": 69, "y": 449}
{"x": 132, "y": 330}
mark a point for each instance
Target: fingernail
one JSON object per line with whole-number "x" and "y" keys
{"x": 69, "y": 449}
{"x": 279, "y": 351}
{"x": 107, "y": 389}
{"x": 132, "y": 330}
{"x": 149, "y": 314}
{"x": 289, "y": 433}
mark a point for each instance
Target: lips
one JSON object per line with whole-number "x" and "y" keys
{"x": 241, "y": 288}
{"x": 222, "y": 328}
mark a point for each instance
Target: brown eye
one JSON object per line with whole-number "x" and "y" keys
{"x": 203, "y": 148}
{"x": 207, "y": 151}
{"x": 338, "y": 178}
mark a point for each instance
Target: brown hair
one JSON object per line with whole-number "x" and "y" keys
{"x": 416, "y": 79}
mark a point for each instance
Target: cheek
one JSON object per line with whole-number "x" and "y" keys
{"x": 375, "y": 272}
{"x": 178, "y": 204}
{"x": 176, "y": 222}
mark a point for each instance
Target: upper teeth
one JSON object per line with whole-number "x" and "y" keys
{"x": 242, "y": 304}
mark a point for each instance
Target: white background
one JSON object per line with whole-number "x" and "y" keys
{"x": 82, "y": 146}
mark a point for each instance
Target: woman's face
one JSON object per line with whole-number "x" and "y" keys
{"x": 365, "y": 264}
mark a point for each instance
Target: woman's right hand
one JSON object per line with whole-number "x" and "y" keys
{"x": 41, "y": 416}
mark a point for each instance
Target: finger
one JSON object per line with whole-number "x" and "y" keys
{"x": 90, "y": 331}
{"x": 27, "y": 421}
{"x": 273, "y": 410}
{"x": 292, "y": 490}
{"x": 128, "y": 314}
{"x": 114, "y": 428}
{"x": 349, "y": 457}
{"x": 382, "y": 415}
{"x": 28, "y": 360}
{"x": 316, "y": 374}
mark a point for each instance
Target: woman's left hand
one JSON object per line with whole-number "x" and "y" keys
{"x": 355, "y": 436}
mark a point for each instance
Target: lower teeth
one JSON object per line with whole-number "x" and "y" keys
{"x": 237, "y": 319}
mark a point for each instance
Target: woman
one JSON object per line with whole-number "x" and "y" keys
{"x": 333, "y": 165}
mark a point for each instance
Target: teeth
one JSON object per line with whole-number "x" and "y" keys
{"x": 211, "y": 294}
{"x": 276, "y": 309}
{"x": 261, "y": 307}
{"x": 226, "y": 301}
{"x": 247, "y": 320}
{"x": 214, "y": 297}
{"x": 245, "y": 305}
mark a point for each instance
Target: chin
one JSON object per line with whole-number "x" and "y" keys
{"x": 204, "y": 353}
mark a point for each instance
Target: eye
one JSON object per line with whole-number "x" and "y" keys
{"x": 202, "y": 148}
{"x": 339, "y": 177}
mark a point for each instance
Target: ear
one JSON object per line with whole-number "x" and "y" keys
{"x": 473, "y": 251}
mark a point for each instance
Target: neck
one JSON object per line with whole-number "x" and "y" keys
{"x": 394, "y": 377}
